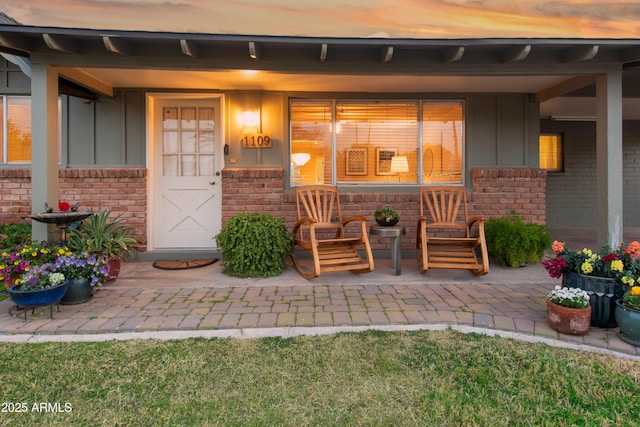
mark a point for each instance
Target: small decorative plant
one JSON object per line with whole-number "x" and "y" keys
{"x": 631, "y": 298}
{"x": 254, "y": 245}
{"x": 102, "y": 236}
{"x": 386, "y": 214}
{"x": 622, "y": 263}
{"x": 514, "y": 242}
{"x": 569, "y": 297}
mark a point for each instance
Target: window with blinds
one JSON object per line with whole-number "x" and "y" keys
{"x": 376, "y": 142}
{"x": 15, "y": 129}
{"x": 551, "y": 152}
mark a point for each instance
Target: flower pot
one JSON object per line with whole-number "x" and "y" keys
{"x": 386, "y": 222}
{"x": 628, "y": 320}
{"x": 79, "y": 291}
{"x": 36, "y": 298}
{"x": 568, "y": 320}
{"x": 113, "y": 266}
{"x": 603, "y": 293}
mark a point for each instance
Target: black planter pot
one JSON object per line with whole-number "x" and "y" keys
{"x": 79, "y": 291}
{"x": 386, "y": 222}
{"x": 603, "y": 293}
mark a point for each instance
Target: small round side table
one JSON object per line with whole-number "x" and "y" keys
{"x": 396, "y": 232}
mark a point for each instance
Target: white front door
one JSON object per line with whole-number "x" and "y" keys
{"x": 186, "y": 207}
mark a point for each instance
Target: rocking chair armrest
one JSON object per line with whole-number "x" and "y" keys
{"x": 475, "y": 219}
{"x": 302, "y": 221}
{"x": 354, "y": 218}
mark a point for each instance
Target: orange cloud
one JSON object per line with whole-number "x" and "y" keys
{"x": 344, "y": 18}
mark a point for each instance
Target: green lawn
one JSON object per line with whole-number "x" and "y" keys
{"x": 372, "y": 378}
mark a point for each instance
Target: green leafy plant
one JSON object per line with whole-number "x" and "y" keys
{"x": 102, "y": 236}
{"x": 254, "y": 245}
{"x": 386, "y": 214}
{"x": 17, "y": 234}
{"x": 514, "y": 242}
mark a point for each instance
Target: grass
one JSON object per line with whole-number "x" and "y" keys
{"x": 373, "y": 378}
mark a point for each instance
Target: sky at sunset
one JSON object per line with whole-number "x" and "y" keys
{"x": 343, "y": 18}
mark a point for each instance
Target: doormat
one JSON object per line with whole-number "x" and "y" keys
{"x": 182, "y": 264}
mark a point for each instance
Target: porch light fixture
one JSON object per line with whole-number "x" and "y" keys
{"x": 300, "y": 159}
{"x": 250, "y": 118}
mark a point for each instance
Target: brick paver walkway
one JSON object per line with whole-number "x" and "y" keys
{"x": 504, "y": 308}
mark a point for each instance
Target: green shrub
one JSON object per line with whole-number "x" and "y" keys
{"x": 254, "y": 245}
{"x": 15, "y": 234}
{"x": 514, "y": 242}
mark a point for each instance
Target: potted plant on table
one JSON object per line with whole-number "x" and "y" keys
{"x": 386, "y": 216}
{"x": 568, "y": 310}
{"x": 105, "y": 237}
{"x": 604, "y": 275}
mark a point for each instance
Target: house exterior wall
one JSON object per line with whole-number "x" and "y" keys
{"x": 104, "y": 162}
{"x": 571, "y": 194}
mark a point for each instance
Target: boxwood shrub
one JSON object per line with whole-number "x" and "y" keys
{"x": 254, "y": 245}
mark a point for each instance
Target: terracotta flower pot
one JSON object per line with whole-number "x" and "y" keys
{"x": 568, "y": 320}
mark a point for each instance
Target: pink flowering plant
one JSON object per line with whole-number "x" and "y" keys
{"x": 19, "y": 260}
{"x": 622, "y": 263}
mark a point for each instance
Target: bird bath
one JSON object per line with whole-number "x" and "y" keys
{"x": 61, "y": 219}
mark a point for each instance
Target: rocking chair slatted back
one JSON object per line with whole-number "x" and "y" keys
{"x": 443, "y": 204}
{"x": 319, "y": 203}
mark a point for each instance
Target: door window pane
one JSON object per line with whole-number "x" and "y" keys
{"x": 189, "y": 138}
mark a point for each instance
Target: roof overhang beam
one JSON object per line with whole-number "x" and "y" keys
{"x": 80, "y": 77}
{"x": 563, "y": 88}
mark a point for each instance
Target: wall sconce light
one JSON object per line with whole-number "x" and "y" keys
{"x": 399, "y": 164}
{"x": 250, "y": 119}
{"x": 300, "y": 159}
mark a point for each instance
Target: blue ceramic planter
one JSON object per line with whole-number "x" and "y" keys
{"x": 629, "y": 321}
{"x": 37, "y": 298}
{"x": 79, "y": 291}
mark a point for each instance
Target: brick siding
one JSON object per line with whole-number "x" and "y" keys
{"x": 121, "y": 190}
{"x": 495, "y": 192}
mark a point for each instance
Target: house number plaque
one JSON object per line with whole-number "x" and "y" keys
{"x": 256, "y": 140}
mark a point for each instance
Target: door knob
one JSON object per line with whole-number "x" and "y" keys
{"x": 212, "y": 182}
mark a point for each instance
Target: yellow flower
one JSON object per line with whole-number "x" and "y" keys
{"x": 635, "y": 290}
{"x": 586, "y": 267}
{"x": 617, "y": 265}
{"x": 628, "y": 280}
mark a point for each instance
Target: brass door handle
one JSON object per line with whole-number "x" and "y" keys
{"x": 212, "y": 182}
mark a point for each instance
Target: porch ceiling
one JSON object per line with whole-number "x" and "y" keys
{"x": 106, "y": 59}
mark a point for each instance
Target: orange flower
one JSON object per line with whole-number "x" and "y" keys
{"x": 633, "y": 250}
{"x": 558, "y": 247}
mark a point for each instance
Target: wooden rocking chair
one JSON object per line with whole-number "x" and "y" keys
{"x": 455, "y": 247}
{"x": 320, "y": 231}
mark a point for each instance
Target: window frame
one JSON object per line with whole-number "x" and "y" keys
{"x": 333, "y": 123}
{"x": 560, "y": 149}
{"x": 4, "y": 136}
